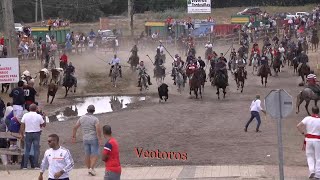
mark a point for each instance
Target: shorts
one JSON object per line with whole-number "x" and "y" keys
{"x": 111, "y": 176}
{"x": 91, "y": 147}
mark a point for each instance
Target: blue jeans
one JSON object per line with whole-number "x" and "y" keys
{"x": 254, "y": 114}
{"x": 30, "y": 138}
{"x": 91, "y": 147}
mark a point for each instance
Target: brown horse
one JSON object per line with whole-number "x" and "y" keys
{"x": 240, "y": 78}
{"x": 304, "y": 71}
{"x": 195, "y": 83}
{"x": 220, "y": 81}
{"x": 52, "y": 90}
{"x": 276, "y": 64}
{"x": 264, "y": 72}
{"x": 314, "y": 42}
{"x": 306, "y": 95}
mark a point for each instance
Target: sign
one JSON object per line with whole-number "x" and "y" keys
{"x": 199, "y": 6}
{"x": 278, "y": 104}
{"x": 9, "y": 70}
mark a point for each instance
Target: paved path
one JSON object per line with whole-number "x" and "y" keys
{"x": 178, "y": 173}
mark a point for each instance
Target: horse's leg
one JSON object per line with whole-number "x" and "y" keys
{"x": 52, "y": 98}
{"x": 262, "y": 80}
{"x": 242, "y": 85}
{"x": 307, "y": 105}
{"x": 200, "y": 89}
{"x": 218, "y": 93}
{"x": 67, "y": 89}
{"x": 224, "y": 93}
{"x": 196, "y": 92}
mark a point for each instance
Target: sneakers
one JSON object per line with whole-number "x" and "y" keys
{"x": 312, "y": 175}
{"x": 92, "y": 172}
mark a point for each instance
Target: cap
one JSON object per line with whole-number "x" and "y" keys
{"x": 91, "y": 108}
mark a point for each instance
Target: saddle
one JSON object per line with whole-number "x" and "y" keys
{"x": 315, "y": 89}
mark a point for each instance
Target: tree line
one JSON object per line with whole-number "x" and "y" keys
{"x": 91, "y": 10}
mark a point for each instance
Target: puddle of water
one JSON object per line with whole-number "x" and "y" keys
{"x": 102, "y": 104}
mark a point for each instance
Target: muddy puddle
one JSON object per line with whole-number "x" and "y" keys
{"x": 102, "y": 104}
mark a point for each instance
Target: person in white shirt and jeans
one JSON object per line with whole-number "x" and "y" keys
{"x": 57, "y": 159}
{"x": 310, "y": 128}
{"x": 255, "y": 108}
{"x": 113, "y": 62}
{"x": 31, "y": 124}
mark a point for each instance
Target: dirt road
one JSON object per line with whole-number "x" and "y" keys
{"x": 210, "y": 131}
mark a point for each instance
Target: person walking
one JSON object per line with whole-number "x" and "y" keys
{"x": 17, "y": 95}
{"x": 91, "y": 138}
{"x": 57, "y": 160}
{"x": 110, "y": 155}
{"x": 31, "y": 124}
{"x": 255, "y": 108}
{"x": 310, "y": 128}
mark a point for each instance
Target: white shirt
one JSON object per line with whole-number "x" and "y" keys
{"x": 281, "y": 50}
{"x": 161, "y": 48}
{"x": 208, "y": 45}
{"x": 32, "y": 121}
{"x": 8, "y": 111}
{"x": 312, "y": 126}
{"x": 114, "y": 61}
{"x": 256, "y": 105}
{"x": 116, "y": 42}
{"x": 57, "y": 160}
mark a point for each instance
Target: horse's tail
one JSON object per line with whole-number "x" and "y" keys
{"x": 298, "y": 100}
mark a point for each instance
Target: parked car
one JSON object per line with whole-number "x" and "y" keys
{"x": 107, "y": 35}
{"x": 250, "y": 11}
{"x": 297, "y": 14}
{"x": 18, "y": 27}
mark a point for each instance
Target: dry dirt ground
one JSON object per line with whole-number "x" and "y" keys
{"x": 210, "y": 131}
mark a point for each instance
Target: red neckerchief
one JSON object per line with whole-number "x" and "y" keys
{"x": 315, "y": 115}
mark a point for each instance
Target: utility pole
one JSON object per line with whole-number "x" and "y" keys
{"x": 36, "y": 12}
{"x": 41, "y": 9}
{"x": 130, "y": 15}
{"x": 9, "y": 29}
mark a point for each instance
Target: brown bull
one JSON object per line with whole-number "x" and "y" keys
{"x": 52, "y": 90}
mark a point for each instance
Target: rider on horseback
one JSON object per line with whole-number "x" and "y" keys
{"x": 158, "y": 63}
{"x": 134, "y": 50}
{"x": 70, "y": 70}
{"x": 178, "y": 64}
{"x": 264, "y": 62}
{"x": 241, "y": 63}
{"x": 142, "y": 70}
{"x": 221, "y": 66}
{"x": 312, "y": 83}
{"x": 113, "y": 62}
{"x": 233, "y": 55}
{"x": 303, "y": 59}
{"x": 202, "y": 64}
{"x": 208, "y": 45}
{"x": 275, "y": 39}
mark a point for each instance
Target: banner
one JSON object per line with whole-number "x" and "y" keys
{"x": 9, "y": 70}
{"x": 199, "y": 6}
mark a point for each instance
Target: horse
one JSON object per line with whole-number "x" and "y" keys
{"x": 208, "y": 52}
{"x": 179, "y": 79}
{"x": 159, "y": 73}
{"x": 255, "y": 62}
{"x": 5, "y": 86}
{"x": 195, "y": 83}
{"x": 56, "y": 75}
{"x": 240, "y": 78}
{"x": 115, "y": 72}
{"x": 295, "y": 65}
{"x": 304, "y": 71}
{"x": 314, "y": 42}
{"x": 144, "y": 81}
{"x": 133, "y": 61}
{"x": 276, "y": 64}
{"x": 69, "y": 82}
{"x": 305, "y": 46}
{"x": 264, "y": 72}
{"x": 220, "y": 81}
{"x": 306, "y": 95}
{"x": 44, "y": 76}
{"x": 52, "y": 91}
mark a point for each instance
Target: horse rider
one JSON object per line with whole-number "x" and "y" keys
{"x": 241, "y": 63}
{"x": 312, "y": 83}
{"x": 178, "y": 64}
{"x": 190, "y": 59}
{"x": 266, "y": 40}
{"x": 233, "y": 55}
{"x": 70, "y": 69}
{"x": 221, "y": 66}
{"x": 134, "y": 50}
{"x": 208, "y": 45}
{"x": 282, "y": 51}
{"x": 264, "y": 62}
{"x": 255, "y": 50}
{"x": 202, "y": 64}
{"x": 113, "y": 62}
{"x": 142, "y": 70}
{"x": 161, "y": 48}
{"x": 275, "y": 40}
{"x": 303, "y": 59}
{"x": 64, "y": 60}
{"x": 158, "y": 63}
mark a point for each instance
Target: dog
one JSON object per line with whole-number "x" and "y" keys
{"x": 163, "y": 92}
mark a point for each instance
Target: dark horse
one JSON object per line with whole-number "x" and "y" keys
{"x": 195, "y": 83}
{"x": 220, "y": 81}
{"x": 69, "y": 82}
{"x": 159, "y": 73}
{"x": 240, "y": 79}
{"x": 314, "y": 41}
{"x": 276, "y": 64}
{"x": 133, "y": 61}
{"x": 304, "y": 71}
{"x": 306, "y": 95}
{"x": 264, "y": 72}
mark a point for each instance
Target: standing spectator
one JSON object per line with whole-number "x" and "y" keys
{"x": 2, "y": 108}
{"x": 50, "y": 23}
{"x": 310, "y": 128}
{"x": 29, "y": 94}
{"x": 91, "y": 138}
{"x": 2, "y": 40}
{"x": 31, "y": 124}
{"x": 116, "y": 45}
{"x": 63, "y": 61}
{"x": 17, "y": 95}
{"x": 110, "y": 156}
{"x": 57, "y": 159}
{"x": 255, "y": 108}
{"x": 8, "y": 110}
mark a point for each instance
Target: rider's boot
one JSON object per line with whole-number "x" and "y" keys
{"x": 149, "y": 81}
{"x": 174, "y": 80}
{"x": 139, "y": 83}
{"x": 110, "y": 72}
{"x": 205, "y": 77}
{"x": 120, "y": 73}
